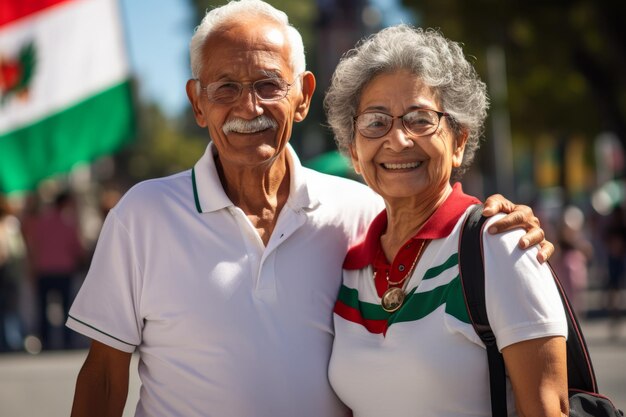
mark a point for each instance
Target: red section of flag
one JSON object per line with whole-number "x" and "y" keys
{"x": 12, "y": 10}
{"x": 10, "y": 74}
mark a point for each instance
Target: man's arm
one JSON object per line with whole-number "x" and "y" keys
{"x": 102, "y": 383}
{"x": 522, "y": 216}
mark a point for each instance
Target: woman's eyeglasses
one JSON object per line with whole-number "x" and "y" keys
{"x": 420, "y": 122}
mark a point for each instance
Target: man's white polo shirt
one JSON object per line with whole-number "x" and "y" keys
{"x": 224, "y": 325}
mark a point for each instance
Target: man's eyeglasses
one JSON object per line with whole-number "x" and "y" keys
{"x": 226, "y": 92}
{"x": 420, "y": 122}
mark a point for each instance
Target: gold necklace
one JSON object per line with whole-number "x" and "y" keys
{"x": 393, "y": 298}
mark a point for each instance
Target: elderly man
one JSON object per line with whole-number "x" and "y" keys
{"x": 223, "y": 277}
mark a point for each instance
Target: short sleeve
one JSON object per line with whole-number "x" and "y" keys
{"x": 522, "y": 300}
{"x": 106, "y": 307}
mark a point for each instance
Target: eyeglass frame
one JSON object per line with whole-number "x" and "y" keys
{"x": 439, "y": 114}
{"x": 249, "y": 85}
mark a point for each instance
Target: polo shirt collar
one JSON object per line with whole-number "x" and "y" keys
{"x": 209, "y": 194}
{"x": 438, "y": 226}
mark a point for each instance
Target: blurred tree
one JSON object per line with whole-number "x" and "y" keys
{"x": 565, "y": 60}
{"x": 161, "y": 148}
{"x": 301, "y": 14}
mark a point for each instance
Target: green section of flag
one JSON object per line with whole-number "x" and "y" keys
{"x": 92, "y": 128}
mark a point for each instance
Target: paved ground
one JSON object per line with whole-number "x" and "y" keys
{"x": 608, "y": 354}
{"x": 43, "y": 385}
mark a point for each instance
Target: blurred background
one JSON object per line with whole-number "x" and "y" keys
{"x": 71, "y": 146}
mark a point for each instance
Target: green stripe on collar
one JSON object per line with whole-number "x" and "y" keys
{"x": 195, "y": 190}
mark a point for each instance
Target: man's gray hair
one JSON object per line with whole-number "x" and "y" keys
{"x": 232, "y": 11}
{"x": 437, "y": 61}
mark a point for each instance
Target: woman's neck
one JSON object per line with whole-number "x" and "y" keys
{"x": 405, "y": 217}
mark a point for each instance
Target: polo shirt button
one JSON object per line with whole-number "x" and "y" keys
{"x": 401, "y": 268}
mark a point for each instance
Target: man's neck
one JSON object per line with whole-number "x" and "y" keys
{"x": 260, "y": 192}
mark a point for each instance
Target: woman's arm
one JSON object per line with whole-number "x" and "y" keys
{"x": 527, "y": 317}
{"x": 538, "y": 372}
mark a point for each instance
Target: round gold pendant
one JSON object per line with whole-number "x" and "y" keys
{"x": 392, "y": 299}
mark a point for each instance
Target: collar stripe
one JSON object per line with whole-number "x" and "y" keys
{"x": 195, "y": 190}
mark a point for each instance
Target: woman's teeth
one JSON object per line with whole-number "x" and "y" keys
{"x": 407, "y": 165}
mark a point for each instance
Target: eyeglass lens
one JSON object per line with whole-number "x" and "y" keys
{"x": 418, "y": 122}
{"x": 229, "y": 91}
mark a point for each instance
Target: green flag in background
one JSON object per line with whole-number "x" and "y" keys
{"x": 65, "y": 94}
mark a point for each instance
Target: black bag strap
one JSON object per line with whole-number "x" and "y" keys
{"x": 472, "y": 274}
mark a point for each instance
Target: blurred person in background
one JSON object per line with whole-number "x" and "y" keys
{"x": 56, "y": 256}
{"x": 224, "y": 276}
{"x": 614, "y": 239}
{"x": 571, "y": 259}
{"x": 12, "y": 276}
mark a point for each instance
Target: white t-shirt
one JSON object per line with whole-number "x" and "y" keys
{"x": 224, "y": 325}
{"x": 426, "y": 359}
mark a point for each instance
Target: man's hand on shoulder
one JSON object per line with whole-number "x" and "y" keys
{"x": 518, "y": 215}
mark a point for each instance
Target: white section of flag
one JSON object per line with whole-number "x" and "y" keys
{"x": 80, "y": 52}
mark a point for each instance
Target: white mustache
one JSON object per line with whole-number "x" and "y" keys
{"x": 257, "y": 124}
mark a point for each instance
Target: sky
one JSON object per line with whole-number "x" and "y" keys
{"x": 158, "y": 34}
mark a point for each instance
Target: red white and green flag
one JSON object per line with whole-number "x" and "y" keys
{"x": 65, "y": 94}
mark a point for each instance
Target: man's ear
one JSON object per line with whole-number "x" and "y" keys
{"x": 355, "y": 159}
{"x": 193, "y": 94}
{"x": 459, "y": 150}
{"x": 307, "y": 88}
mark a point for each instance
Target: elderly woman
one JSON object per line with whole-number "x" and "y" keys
{"x": 408, "y": 109}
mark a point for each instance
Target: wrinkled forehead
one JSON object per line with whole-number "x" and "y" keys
{"x": 398, "y": 89}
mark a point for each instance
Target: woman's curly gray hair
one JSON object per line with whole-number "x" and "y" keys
{"x": 437, "y": 61}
